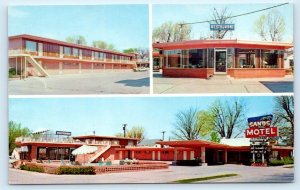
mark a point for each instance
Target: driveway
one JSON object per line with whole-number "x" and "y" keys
{"x": 220, "y": 84}
{"x": 109, "y": 82}
{"x": 245, "y": 174}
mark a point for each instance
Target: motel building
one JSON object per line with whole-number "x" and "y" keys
{"x": 58, "y": 148}
{"x": 38, "y": 56}
{"x": 234, "y": 58}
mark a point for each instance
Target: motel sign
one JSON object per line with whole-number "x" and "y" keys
{"x": 261, "y": 127}
{"x": 221, "y": 26}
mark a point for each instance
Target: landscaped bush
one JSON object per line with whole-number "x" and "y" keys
{"x": 288, "y": 160}
{"x": 12, "y": 72}
{"x": 87, "y": 170}
{"x": 122, "y": 162}
{"x": 32, "y": 168}
{"x": 276, "y": 163}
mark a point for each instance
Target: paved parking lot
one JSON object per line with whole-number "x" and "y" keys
{"x": 109, "y": 82}
{"x": 245, "y": 174}
{"x": 220, "y": 84}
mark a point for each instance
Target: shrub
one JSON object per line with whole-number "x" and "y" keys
{"x": 122, "y": 162}
{"x": 32, "y": 168}
{"x": 12, "y": 72}
{"x": 87, "y": 170}
{"x": 276, "y": 163}
{"x": 288, "y": 160}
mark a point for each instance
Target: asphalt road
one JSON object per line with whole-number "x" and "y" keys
{"x": 109, "y": 82}
{"x": 245, "y": 174}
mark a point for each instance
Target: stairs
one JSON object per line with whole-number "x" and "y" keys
{"x": 37, "y": 66}
{"x": 99, "y": 153}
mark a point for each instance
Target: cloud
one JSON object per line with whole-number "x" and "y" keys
{"x": 13, "y": 11}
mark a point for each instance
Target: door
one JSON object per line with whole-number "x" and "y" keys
{"x": 220, "y": 61}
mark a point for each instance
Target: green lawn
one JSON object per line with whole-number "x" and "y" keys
{"x": 192, "y": 180}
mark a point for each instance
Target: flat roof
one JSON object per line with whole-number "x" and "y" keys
{"x": 103, "y": 137}
{"x": 43, "y": 39}
{"x": 192, "y": 44}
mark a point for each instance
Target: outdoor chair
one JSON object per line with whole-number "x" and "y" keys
{"x": 101, "y": 163}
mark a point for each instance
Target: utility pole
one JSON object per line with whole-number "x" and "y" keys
{"x": 163, "y": 138}
{"x": 124, "y": 129}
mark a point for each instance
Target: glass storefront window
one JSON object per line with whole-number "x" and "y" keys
{"x": 247, "y": 58}
{"x": 269, "y": 58}
{"x": 53, "y": 153}
{"x": 192, "y": 58}
{"x": 75, "y": 52}
{"x": 210, "y": 58}
{"x": 30, "y": 46}
{"x": 173, "y": 58}
{"x": 230, "y": 57}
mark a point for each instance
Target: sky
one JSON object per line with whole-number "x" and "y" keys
{"x": 243, "y": 25}
{"x": 106, "y": 115}
{"x": 125, "y": 26}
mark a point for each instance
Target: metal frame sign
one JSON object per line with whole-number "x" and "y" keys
{"x": 65, "y": 133}
{"x": 222, "y": 26}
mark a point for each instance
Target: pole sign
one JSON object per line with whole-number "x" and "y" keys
{"x": 65, "y": 133}
{"x": 221, "y": 26}
{"x": 261, "y": 127}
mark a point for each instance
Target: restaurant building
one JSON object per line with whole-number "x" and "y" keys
{"x": 235, "y": 151}
{"x": 32, "y": 55}
{"x": 235, "y": 58}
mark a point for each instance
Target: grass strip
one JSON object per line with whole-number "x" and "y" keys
{"x": 204, "y": 178}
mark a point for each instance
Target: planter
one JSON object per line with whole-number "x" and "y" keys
{"x": 259, "y": 164}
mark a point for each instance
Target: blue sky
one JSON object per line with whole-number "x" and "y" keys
{"x": 106, "y": 115}
{"x": 125, "y": 26}
{"x": 243, "y": 25}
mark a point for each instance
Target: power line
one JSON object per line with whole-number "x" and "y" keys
{"x": 234, "y": 15}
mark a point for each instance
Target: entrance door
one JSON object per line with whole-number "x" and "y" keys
{"x": 220, "y": 61}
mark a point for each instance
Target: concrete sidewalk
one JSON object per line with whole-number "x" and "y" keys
{"x": 220, "y": 84}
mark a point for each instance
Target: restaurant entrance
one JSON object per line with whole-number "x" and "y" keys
{"x": 220, "y": 61}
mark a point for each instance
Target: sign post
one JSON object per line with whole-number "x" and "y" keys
{"x": 259, "y": 131}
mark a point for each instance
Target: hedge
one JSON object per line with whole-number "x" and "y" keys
{"x": 87, "y": 170}
{"x": 284, "y": 161}
{"x": 32, "y": 168}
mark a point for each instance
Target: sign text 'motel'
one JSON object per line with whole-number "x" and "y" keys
{"x": 261, "y": 127}
{"x": 66, "y": 133}
{"x": 221, "y": 26}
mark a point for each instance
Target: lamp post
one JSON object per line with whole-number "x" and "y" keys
{"x": 163, "y": 138}
{"x": 124, "y": 129}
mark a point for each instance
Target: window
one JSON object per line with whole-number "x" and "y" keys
{"x": 67, "y": 51}
{"x": 230, "y": 57}
{"x": 269, "y": 58}
{"x": 31, "y": 46}
{"x": 75, "y": 52}
{"x": 247, "y": 58}
{"x": 192, "y": 58}
{"x": 50, "y": 48}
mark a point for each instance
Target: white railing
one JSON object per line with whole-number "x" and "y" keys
{"x": 48, "y": 140}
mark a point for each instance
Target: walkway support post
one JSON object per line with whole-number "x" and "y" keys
{"x": 203, "y": 156}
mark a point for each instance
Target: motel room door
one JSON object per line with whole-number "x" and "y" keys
{"x": 220, "y": 61}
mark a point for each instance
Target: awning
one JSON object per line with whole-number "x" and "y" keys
{"x": 84, "y": 149}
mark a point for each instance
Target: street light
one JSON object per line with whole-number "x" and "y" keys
{"x": 163, "y": 138}
{"x": 124, "y": 129}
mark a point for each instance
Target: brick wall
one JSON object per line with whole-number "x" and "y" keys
{"x": 188, "y": 72}
{"x": 256, "y": 73}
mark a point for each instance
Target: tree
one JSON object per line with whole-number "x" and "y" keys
{"x": 103, "y": 45}
{"x": 214, "y": 137}
{"x": 221, "y": 16}
{"x": 284, "y": 118}
{"x": 187, "y": 126}
{"x": 135, "y": 132}
{"x": 76, "y": 39}
{"x": 172, "y": 32}
{"x": 143, "y": 53}
{"x": 271, "y": 26}
{"x": 228, "y": 118}
{"x": 16, "y": 130}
